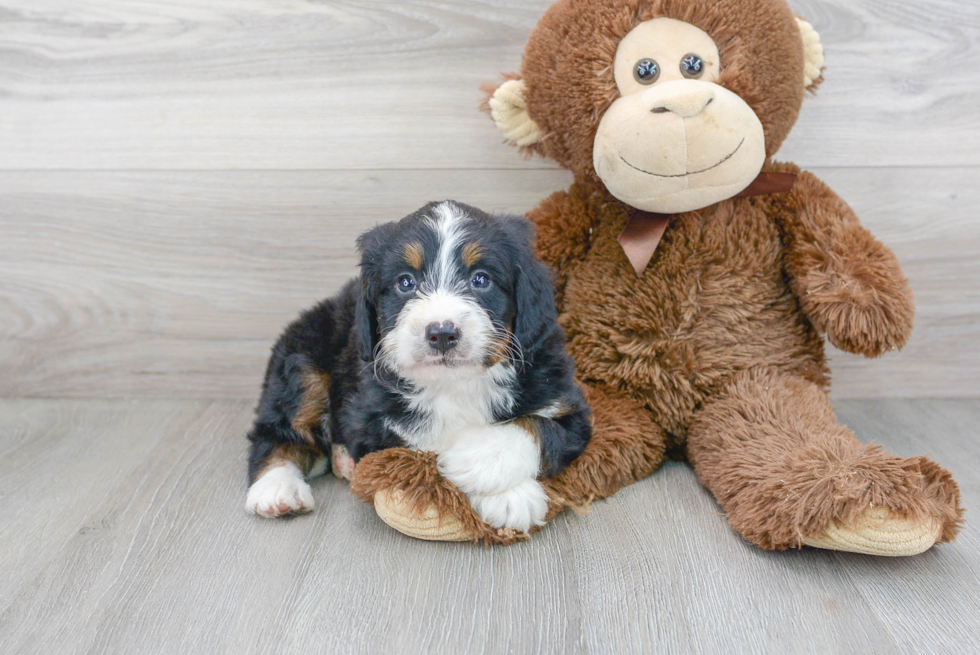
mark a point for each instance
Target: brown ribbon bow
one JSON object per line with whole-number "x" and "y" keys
{"x": 645, "y": 229}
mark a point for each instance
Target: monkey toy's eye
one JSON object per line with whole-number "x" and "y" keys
{"x": 646, "y": 71}
{"x": 405, "y": 284}
{"x": 480, "y": 281}
{"x": 692, "y": 66}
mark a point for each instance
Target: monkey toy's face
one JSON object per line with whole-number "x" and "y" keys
{"x": 675, "y": 140}
{"x": 672, "y": 105}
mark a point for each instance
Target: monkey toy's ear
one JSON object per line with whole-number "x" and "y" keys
{"x": 812, "y": 54}
{"x": 509, "y": 112}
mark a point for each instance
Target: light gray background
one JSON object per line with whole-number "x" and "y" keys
{"x": 178, "y": 178}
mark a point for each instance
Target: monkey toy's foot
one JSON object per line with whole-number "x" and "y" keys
{"x": 877, "y": 531}
{"x": 426, "y": 523}
{"x": 788, "y": 474}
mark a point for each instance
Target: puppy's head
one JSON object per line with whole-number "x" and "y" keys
{"x": 451, "y": 288}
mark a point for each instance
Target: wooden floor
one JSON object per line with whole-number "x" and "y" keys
{"x": 178, "y": 178}
{"x": 124, "y": 532}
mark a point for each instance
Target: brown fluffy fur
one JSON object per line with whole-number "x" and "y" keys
{"x": 567, "y": 66}
{"x": 716, "y": 348}
{"x": 770, "y": 450}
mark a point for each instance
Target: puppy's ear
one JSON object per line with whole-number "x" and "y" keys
{"x": 366, "y": 323}
{"x": 372, "y": 246}
{"x": 534, "y": 293}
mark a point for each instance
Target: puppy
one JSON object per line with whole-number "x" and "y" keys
{"x": 448, "y": 343}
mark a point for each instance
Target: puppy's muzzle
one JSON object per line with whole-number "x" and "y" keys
{"x": 442, "y": 336}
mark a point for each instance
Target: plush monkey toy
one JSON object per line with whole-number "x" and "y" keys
{"x": 695, "y": 277}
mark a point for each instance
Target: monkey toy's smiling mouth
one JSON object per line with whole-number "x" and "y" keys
{"x": 703, "y": 170}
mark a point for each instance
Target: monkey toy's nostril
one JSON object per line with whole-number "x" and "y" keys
{"x": 686, "y": 103}
{"x": 442, "y": 336}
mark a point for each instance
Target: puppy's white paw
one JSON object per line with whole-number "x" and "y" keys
{"x": 343, "y": 463}
{"x": 518, "y": 508}
{"x": 279, "y": 491}
{"x": 490, "y": 459}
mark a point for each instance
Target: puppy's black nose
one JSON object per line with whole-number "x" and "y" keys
{"x": 442, "y": 336}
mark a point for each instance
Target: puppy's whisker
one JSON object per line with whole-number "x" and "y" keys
{"x": 513, "y": 348}
{"x": 379, "y": 357}
{"x": 517, "y": 350}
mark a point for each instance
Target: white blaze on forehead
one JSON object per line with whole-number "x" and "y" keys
{"x": 448, "y": 224}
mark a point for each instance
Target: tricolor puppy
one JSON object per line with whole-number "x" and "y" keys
{"x": 448, "y": 342}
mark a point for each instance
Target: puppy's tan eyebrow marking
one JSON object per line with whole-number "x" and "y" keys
{"x": 413, "y": 255}
{"x": 471, "y": 253}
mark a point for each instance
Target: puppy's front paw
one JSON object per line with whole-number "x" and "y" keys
{"x": 279, "y": 491}
{"x": 518, "y": 508}
{"x": 490, "y": 459}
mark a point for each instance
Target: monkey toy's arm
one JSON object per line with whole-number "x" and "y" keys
{"x": 562, "y": 224}
{"x": 849, "y": 284}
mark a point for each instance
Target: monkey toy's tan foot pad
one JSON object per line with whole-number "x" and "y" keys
{"x": 426, "y": 523}
{"x": 876, "y": 531}
{"x": 410, "y": 495}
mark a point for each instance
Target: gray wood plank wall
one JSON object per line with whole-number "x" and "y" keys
{"x": 178, "y": 178}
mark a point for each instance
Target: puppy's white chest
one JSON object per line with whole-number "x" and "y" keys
{"x": 440, "y": 411}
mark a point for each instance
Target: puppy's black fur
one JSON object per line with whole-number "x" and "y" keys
{"x": 326, "y": 385}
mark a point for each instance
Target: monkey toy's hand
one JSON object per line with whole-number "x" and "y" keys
{"x": 864, "y": 306}
{"x": 849, "y": 284}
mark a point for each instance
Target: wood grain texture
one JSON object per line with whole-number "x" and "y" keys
{"x": 175, "y": 284}
{"x": 297, "y": 84}
{"x": 151, "y": 551}
{"x": 179, "y": 178}
{"x": 46, "y": 460}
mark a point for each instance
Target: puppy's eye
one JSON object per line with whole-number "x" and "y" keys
{"x": 646, "y": 71}
{"x": 692, "y": 66}
{"x": 405, "y": 284}
{"x": 480, "y": 281}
